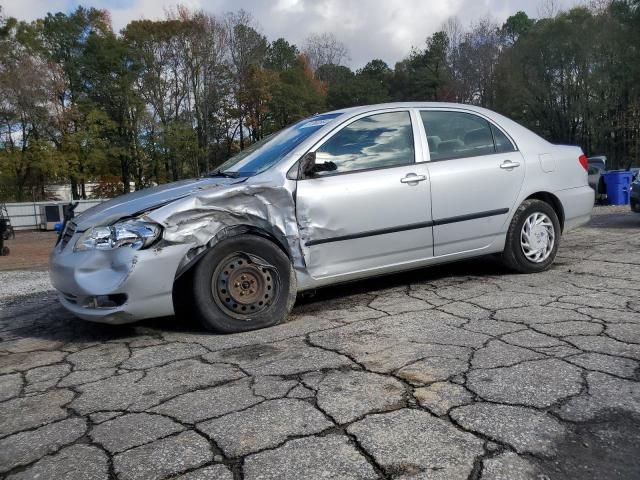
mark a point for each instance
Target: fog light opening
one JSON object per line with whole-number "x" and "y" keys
{"x": 105, "y": 301}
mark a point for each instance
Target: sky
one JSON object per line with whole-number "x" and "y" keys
{"x": 385, "y": 29}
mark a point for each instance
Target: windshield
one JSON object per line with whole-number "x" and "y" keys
{"x": 267, "y": 152}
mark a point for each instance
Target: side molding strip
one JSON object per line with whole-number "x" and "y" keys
{"x": 412, "y": 226}
{"x": 471, "y": 216}
{"x": 371, "y": 233}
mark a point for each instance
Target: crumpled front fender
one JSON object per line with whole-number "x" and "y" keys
{"x": 206, "y": 217}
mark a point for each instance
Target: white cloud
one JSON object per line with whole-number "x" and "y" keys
{"x": 32, "y": 9}
{"x": 370, "y": 28}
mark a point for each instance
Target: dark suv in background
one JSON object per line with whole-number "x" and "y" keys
{"x": 635, "y": 194}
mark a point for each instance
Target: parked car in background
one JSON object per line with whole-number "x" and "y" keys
{"x": 634, "y": 197}
{"x": 337, "y": 197}
{"x": 598, "y": 160}
{"x": 596, "y": 181}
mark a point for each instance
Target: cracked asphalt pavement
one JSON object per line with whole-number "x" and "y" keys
{"x": 463, "y": 371}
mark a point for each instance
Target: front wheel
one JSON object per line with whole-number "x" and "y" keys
{"x": 243, "y": 283}
{"x": 533, "y": 238}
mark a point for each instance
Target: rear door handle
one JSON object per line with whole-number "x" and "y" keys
{"x": 508, "y": 165}
{"x": 413, "y": 178}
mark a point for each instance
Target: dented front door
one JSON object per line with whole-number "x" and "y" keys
{"x": 373, "y": 212}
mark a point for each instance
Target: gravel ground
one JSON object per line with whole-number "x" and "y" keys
{"x": 18, "y": 283}
{"x": 463, "y": 371}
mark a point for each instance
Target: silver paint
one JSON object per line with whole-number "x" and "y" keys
{"x": 196, "y": 214}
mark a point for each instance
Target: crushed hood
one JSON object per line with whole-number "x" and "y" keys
{"x": 138, "y": 202}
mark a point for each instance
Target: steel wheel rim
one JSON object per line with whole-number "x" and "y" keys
{"x": 537, "y": 237}
{"x": 244, "y": 285}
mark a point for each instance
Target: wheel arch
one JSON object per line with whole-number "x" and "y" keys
{"x": 195, "y": 254}
{"x": 553, "y": 201}
{"x": 192, "y": 291}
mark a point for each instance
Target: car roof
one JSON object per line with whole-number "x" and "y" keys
{"x": 382, "y": 106}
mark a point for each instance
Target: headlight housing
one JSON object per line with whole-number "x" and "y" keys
{"x": 135, "y": 234}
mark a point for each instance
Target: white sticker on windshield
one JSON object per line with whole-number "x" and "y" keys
{"x": 316, "y": 123}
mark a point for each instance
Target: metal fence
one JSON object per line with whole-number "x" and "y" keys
{"x": 29, "y": 215}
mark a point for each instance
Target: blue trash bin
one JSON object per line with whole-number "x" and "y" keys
{"x": 618, "y": 185}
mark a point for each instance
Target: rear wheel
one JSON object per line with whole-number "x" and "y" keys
{"x": 243, "y": 283}
{"x": 635, "y": 206}
{"x": 533, "y": 238}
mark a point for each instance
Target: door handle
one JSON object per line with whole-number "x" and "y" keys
{"x": 508, "y": 165}
{"x": 412, "y": 178}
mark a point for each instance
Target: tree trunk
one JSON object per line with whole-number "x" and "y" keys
{"x": 74, "y": 189}
{"x": 241, "y": 133}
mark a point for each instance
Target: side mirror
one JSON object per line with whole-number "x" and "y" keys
{"x": 310, "y": 168}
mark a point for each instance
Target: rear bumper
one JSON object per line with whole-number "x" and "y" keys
{"x": 141, "y": 281}
{"x": 577, "y": 204}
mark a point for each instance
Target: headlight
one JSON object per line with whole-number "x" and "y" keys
{"x": 131, "y": 233}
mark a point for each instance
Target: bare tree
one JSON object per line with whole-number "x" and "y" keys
{"x": 247, "y": 50}
{"x": 325, "y": 49}
{"x": 548, "y": 8}
{"x": 598, "y": 6}
{"x": 204, "y": 47}
{"x": 474, "y": 61}
{"x": 455, "y": 33}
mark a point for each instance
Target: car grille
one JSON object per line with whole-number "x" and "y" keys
{"x": 69, "y": 230}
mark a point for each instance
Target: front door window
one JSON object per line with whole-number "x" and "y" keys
{"x": 376, "y": 141}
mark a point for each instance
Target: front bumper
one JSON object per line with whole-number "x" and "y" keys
{"x": 141, "y": 281}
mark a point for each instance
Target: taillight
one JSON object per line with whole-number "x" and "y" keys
{"x": 584, "y": 161}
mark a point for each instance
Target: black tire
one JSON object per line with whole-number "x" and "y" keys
{"x": 513, "y": 255}
{"x": 635, "y": 206}
{"x": 266, "y": 272}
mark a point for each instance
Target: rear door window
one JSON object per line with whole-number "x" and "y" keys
{"x": 457, "y": 135}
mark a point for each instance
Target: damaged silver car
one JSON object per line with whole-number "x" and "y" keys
{"x": 334, "y": 198}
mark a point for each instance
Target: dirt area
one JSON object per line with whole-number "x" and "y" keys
{"x": 29, "y": 251}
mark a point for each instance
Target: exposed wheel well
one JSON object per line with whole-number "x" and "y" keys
{"x": 195, "y": 254}
{"x": 552, "y": 200}
{"x": 182, "y": 283}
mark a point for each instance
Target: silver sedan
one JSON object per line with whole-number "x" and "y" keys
{"x": 334, "y": 198}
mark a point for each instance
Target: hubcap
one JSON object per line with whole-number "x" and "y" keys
{"x": 537, "y": 237}
{"x": 243, "y": 285}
